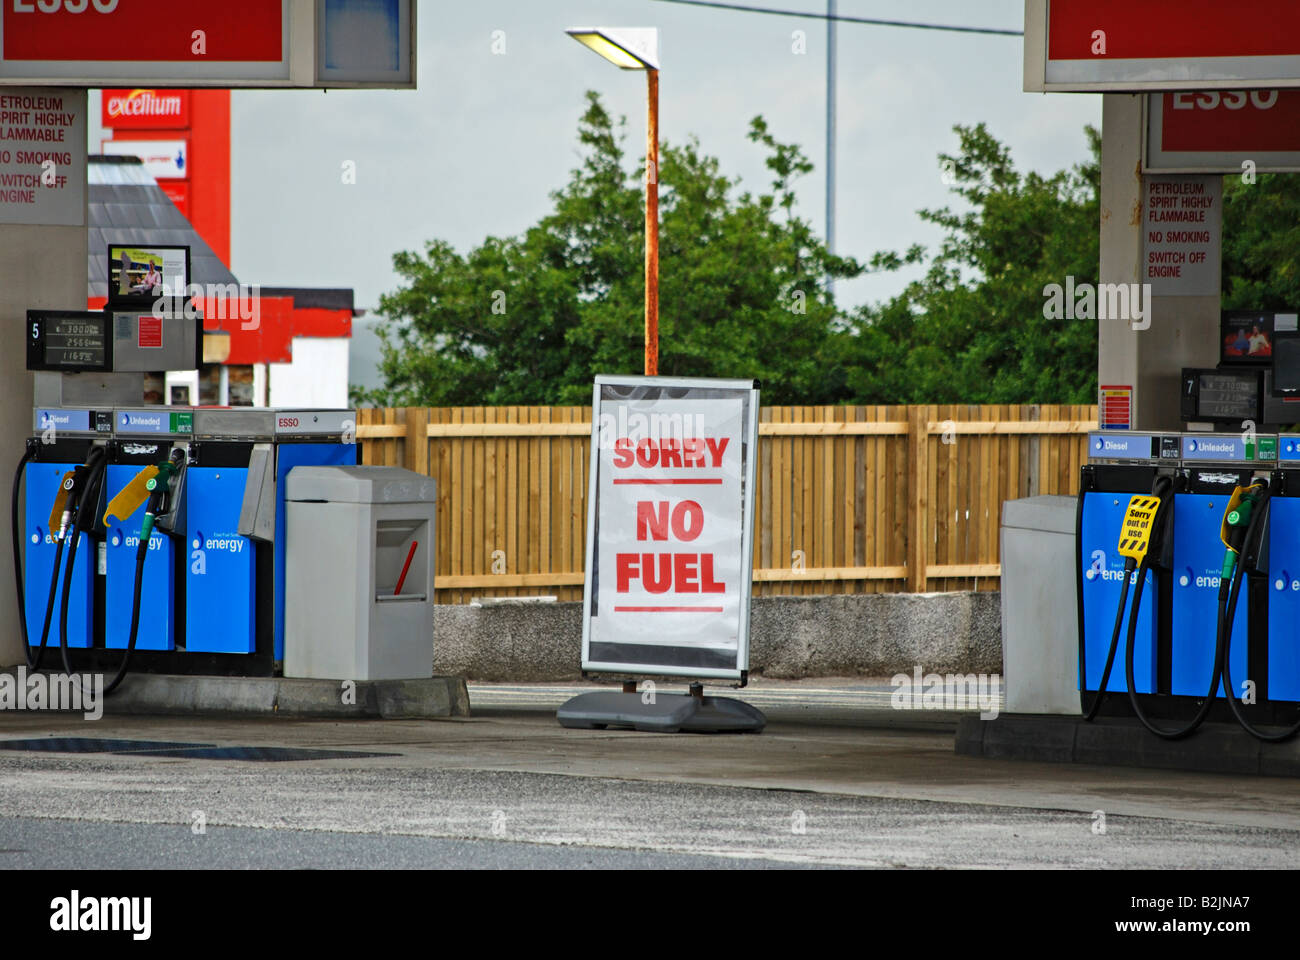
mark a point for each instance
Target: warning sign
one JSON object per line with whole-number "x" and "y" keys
{"x": 150, "y": 333}
{"x": 669, "y": 548}
{"x": 1181, "y": 235}
{"x": 42, "y": 156}
{"x": 1115, "y": 408}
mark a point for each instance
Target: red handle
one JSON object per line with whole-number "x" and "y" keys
{"x": 410, "y": 554}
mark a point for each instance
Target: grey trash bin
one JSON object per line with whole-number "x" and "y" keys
{"x": 348, "y": 534}
{"x": 1040, "y": 623}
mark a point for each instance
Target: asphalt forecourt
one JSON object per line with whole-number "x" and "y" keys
{"x": 805, "y": 792}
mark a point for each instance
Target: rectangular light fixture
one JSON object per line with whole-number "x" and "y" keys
{"x": 628, "y": 48}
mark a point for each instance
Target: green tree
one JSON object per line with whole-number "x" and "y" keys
{"x": 1261, "y": 243}
{"x": 972, "y": 329}
{"x": 532, "y": 318}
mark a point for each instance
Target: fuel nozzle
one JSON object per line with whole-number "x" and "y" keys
{"x": 160, "y": 488}
{"x": 1243, "y": 504}
{"x": 64, "y": 505}
{"x": 73, "y": 489}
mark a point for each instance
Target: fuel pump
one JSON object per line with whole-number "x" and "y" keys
{"x": 76, "y": 487}
{"x": 1246, "y": 529}
{"x": 1236, "y": 524}
{"x": 178, "y": 553}
{"x": 152, "y": 487}
{"x": 1143, "y": 528}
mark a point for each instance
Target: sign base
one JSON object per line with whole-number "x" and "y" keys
{"x": 669, "y": 713}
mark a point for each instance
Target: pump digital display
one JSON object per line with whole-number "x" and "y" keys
{"x": 69, "y": 341}
{"x": 1228, "y": 397}
{"x": 1222, "y": 395}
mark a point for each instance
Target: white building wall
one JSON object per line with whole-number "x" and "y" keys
{"x": 317, "y": 377}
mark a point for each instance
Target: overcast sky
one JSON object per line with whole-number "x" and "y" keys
{"x": 477, "y": 148}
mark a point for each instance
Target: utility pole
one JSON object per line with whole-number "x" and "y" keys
{"x": 830, "y": 133}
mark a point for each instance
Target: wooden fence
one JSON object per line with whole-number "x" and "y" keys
{"x": 850, "y": 499}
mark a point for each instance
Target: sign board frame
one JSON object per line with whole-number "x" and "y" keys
{"x": 1174, "y": 71}
{"x": 618, "y": 388}
{"x": 303, "y": 26}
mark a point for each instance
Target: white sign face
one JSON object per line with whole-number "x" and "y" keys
{"x": 1182, "y": 235}
{"x": 163, "y": 159}
{"x": 669, "y": 592}
{"x": 42, "y": 156}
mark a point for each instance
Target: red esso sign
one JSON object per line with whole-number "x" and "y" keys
{"x": 1227, "y": 99}
{"x": 1262, "y": 121}
{"x": 152, "y": 31}
{"x": 72, "y": 6}
{"x": 287, "y": 422}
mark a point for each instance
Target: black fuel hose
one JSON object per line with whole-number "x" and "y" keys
{"x": 1286, "y": 733}
{"x": 1129, "y": 566}
{"x": 33, "y": 661}
{"x": 142, "y": 552}
{"x": 1204, "y": 710}
{"x": 96, "y": 467}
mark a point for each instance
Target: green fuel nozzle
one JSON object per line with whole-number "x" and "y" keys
{"x": 159, "y": 487}
{"x": 1236, "y": 525}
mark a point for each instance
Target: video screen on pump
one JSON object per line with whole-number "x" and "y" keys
{"x": 136, "y": 272}
{"x": 1247, "y": 337}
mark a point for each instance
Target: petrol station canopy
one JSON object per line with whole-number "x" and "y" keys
{"x": 208, "y": 43}
{"x": 1122, "y": 45}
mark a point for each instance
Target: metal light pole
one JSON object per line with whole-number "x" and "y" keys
{"x": 652, "y": 225}
{"x": 637, "y": 48}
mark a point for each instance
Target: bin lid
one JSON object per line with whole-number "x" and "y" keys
{"x": 1051, "y": 514}
{"x": 359, "y": 485}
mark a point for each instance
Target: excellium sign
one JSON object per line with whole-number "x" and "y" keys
{"x": 146, "y": 109}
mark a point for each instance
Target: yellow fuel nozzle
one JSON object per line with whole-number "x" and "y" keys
{"x": 131, "y": 497}
{"x": 1135, "y": 532}
{"x": 60, "y": 515}
{"x": 1237, "y": 514}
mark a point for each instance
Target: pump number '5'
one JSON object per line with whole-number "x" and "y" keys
{"x": 72, "y": 6}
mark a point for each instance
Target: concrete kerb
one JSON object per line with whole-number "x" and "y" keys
{"x": 433, "y": 698}
{"x": 791, "y": 638}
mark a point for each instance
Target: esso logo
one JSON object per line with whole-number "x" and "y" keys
{"x": 72, "y": 6}
{"x": 288, "y": 422}
{"x": 1231, "y": 99}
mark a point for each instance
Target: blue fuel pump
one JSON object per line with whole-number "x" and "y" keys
{"x": 1251, "y": 524}
{"x": 157, "y": 486}
{"x": 57, "y": 490}
{"x": 1207, "y": 522}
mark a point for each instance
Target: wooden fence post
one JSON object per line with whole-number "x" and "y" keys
{"x": 417, "y": 440}
{"x": 918, "y": 473}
